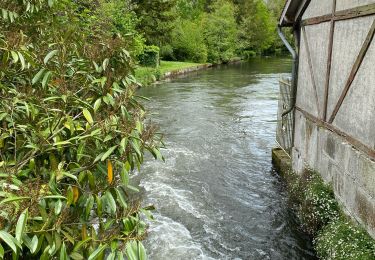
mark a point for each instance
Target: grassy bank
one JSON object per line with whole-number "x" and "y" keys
{"x": 148, "y": 75}
{"x": 335, "y": 236}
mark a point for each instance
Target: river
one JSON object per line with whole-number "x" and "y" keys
{"x": 217, "y": 196}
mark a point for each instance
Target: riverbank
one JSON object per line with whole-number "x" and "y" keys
{"x": 167, "y": 69}
{"x": 334, "y": 234}
{"x": 170, "y": 69}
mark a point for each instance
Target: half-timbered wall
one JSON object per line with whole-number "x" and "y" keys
{"x": 335, "y": 110}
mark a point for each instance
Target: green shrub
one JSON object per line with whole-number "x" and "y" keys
{"x": 149, "y": 57}
{"x": 117, "y": 17}
{"x": 71, "y": 132}
{"x": 342, "y": 240}
{"x": 146, "y": 75}
{"x": 248, "y": 54}
{"x": 166, "y": 53}
{"x": 155, "y": 19}
{"x": 188, "y": 42}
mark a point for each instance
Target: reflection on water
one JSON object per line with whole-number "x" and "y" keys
{"x": 216, "y": 195}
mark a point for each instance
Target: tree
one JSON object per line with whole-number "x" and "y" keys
{"x": 188, "y": 41}
{"x": 220, "y": 31}
{"x": 276, "y": 6}
{"x": 156, "y": 19}
{"x": 190, "y": 9}
{"x": 257, "y": 27}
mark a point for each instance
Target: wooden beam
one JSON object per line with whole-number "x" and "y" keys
{"x": 360, "y": 11}
{"x": 317, "y": 20}
{"x": 329, "y": 60}
{"x": 354, "y": 70}
{"x": 355, "y": 12}
{"x": 311, "y": 69}
{"x": 349, "y": 139}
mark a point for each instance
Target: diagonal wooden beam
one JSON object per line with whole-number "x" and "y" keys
{"x": 329, "y": 60}
{"x": 348, "y": 138}
{"x": 354, "y": 71}
{"x": 311, "y": 69}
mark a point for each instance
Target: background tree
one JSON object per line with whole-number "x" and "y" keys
{"x": 156, "y": 19}
{"x": 190, "y": 9}
{"x": 275, "y": 7}
{"x": 257, "y": 27}
{"x": 220, "y": 31}
{"x": 188, "y": 41}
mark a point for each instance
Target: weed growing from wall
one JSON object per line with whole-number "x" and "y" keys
{"x": 341, "y": 239}
{"x": 335, "y": 236}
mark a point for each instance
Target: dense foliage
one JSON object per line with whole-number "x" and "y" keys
{"x": 315, "y": 202}
{"x": 209, "y": 30}
{"x": 256, "y": 33}
{"x": 188, "y": 42}
{"x": 149, "y": 56}
{"x": 155, "y": 19}
{"x": 219, "y": 30}
{"x": 71, "y": 131}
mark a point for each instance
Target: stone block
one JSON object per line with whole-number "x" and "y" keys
{"x": 366, "y": 175}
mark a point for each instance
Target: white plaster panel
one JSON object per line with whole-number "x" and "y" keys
{"x": 349, "y": 37}
{"x": 356, "y": 116}
{"x": 347, "y": 4}
{"x": 318, "y": 8}
{"x": 305, "y": 91}
{"x": 318, "y": 37}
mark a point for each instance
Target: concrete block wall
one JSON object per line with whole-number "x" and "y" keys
{"x": 351, "y": 172}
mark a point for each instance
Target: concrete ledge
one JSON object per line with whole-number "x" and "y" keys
{"x": 281, "y": 161}
{"x": 175, "y": 73}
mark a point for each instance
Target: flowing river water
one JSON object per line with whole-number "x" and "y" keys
{"x": 217, "y": 196}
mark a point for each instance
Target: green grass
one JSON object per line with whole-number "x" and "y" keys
{"x": 167, "y": 66}
{"x": 148, "y": 75}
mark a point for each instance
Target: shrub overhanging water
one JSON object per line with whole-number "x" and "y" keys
{"x": 71, "y": 131}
